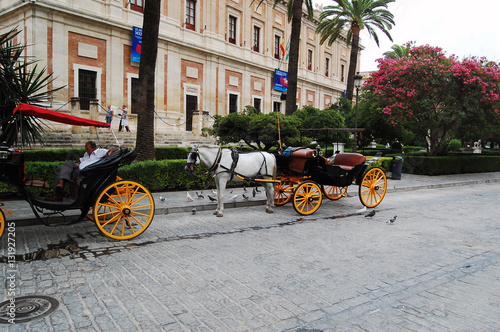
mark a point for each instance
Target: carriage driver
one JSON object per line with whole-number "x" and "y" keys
{"x": 71, "y": 170}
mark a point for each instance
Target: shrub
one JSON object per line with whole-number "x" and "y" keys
{"x": 455, "y": 145}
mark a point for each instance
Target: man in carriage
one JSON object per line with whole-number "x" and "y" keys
{"x": 70, "y": 171}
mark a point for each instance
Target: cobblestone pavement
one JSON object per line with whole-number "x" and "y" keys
{"x": 437, "y": 268}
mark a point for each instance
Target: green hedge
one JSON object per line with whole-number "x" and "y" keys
{"x": 161, "y": 153}
{"x": 450, "y": 164}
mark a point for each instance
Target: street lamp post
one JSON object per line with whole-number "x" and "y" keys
{"x": 357, "y": 84}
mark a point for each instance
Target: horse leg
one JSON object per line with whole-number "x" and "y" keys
{"x": 270, "y": 197}
{"x": 221, "y": 187}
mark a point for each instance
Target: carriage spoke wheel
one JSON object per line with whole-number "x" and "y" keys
{"x": 307, "y": 198}
{"x": 333, "y": 192}
{"x": 2, "y": 222}
{"x": 372, "y": 188}
{"x": 124, "y": 210}
{"x": 90, "y": 213}
{"x": 283, "y": 193}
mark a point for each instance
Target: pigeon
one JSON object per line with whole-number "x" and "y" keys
{"x": 233, "y": 198}
{"x": 371, "y": 214}
{"x": 162, "y": 199}
{"x": 245, "y": 196}
{"x": 257, "y": 189}
{"x": 211, "y": 198}
{"x": 254, "y": 193}
{"x": 189, "y": 198}
{"x": 214, "y": 192}
{"x": 245, "y": 189}
{"x": 193, "y": 211}
{"x": 392, "y": 220}
{"x": 200, "y": 195}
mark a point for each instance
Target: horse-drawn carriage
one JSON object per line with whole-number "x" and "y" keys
{"x": 304, "y": 175}
{"x": 121, "y": 209}
{"x": 301, "y": 174}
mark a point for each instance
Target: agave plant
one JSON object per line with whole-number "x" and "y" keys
{"x": 21, "y": 81}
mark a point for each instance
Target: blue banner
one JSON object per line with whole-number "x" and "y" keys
{"x": 280, "y": 80}
{"x": 136, "y": 44}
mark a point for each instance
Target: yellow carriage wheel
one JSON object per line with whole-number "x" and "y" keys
{"x": 283, "y": 193}
{"x": 307, "y": 198}
{"x": 90, "y": 214}
{"x": 124, "y": 210}
{"x": 2, "y": 222}
{"x": 373, "y": 187}
{"x": 334, "y": 192}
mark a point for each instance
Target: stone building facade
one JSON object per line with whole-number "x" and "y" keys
{"x": 214, "y": 57}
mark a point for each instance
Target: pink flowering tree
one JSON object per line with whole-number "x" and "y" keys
{"x": 436, "y": 95}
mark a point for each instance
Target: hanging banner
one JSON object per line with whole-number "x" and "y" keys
{"x": 280, "y": 80}
{"x": 136, "y": 44}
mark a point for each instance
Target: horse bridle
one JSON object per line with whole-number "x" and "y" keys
{"x": 197, "y": 152}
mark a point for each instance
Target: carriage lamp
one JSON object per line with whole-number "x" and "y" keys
{"x": 357, "y": 84}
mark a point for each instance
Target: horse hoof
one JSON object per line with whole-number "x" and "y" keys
{"x": 219, "y": 214}
{"x": 269, "y": 210}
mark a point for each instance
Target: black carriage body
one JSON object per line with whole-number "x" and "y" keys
{"x": 11, "y": 166}
{"x": 305, "y": 162}
{"x": 95, "y": 177}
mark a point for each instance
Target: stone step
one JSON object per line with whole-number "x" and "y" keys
{"x": 58, "y": 140}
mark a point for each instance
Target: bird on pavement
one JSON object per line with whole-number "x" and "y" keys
{"x": 211, "y": 198}
{"x": 257, "y": 189}
{"x": 162, "y": 199}
{"x": 193, "y": 211}
{"x": 254, "y": 193}
{"x": 214, "y": 192}
{"x": 233, "y": 198}
{"x": 189, "y": 198}
{"x": 392, "y": 220}
{"x": 371, "y": 214}
{"x": 245, "y": 196}
{"x": 200, "y": 195}
{"x": 245, "y": 189}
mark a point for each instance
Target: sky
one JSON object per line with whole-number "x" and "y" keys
{"x": 462, "y": 28}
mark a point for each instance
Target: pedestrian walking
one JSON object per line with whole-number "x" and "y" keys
{"x": 124, "y": 120}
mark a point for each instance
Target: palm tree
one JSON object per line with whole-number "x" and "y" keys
{"x": 354, "y": 15}
{"x": 147, "y": 67}
{"x": 21, "y": 81}
{"x": 294, "y": 14}
{"x": 397, "y": 52}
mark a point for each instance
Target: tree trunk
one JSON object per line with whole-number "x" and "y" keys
{"x": 353, "y": 60}
{"x": 145, "y": 145}
{"x": 293, "y": 64}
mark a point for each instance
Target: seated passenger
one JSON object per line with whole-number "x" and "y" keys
{"x": 71, "y": 170}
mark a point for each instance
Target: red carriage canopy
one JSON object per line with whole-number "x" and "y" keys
{"x": 44, "y": 113}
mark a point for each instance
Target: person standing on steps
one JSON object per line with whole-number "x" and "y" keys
{"x": 124, "y": 121}
{"x": 109, "y": 115}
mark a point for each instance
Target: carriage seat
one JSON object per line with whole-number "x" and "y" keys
{"x": 347, "y": 160}
{"x": 298, "y": 157}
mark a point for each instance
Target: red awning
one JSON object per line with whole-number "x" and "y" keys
{"x": 44, "y": 113}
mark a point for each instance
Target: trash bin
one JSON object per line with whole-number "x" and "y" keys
{"x": 397, "y": 167}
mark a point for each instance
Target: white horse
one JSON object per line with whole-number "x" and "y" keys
{"x": 226, "y": 166}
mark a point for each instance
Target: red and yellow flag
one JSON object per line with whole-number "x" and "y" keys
{"x": 282, "y": 46}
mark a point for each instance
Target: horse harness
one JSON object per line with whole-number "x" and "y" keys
{"x": 235, "y": 158}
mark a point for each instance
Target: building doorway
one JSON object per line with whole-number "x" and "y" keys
{"x": 191, "y": 106}
{"x": 86, "y": 87}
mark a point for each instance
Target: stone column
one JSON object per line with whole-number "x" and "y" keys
{"x": 75, "y": 110}
{"x": 94, "y": 113}
{"x": 196, "y": 130}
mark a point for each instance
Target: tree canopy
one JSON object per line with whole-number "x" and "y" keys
{"x": 436, "y": 95}
{"x": 354, "y": 15}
